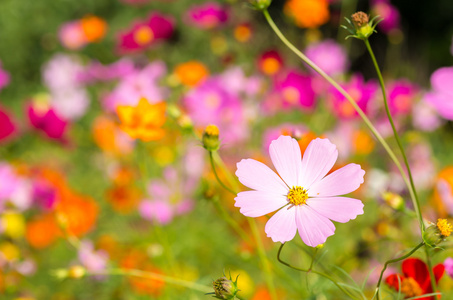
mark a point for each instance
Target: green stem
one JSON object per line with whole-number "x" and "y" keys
{"x": 397, "y": 138}
{"x": 313, "y": 259}
{"x": 345, "y": 94}
{"x": 393, "y": 261}
{"x": 414, "y": 196}
{"x": 259, "y": 243}
{"x": 154, "y": 276}
{"x": 313, "y": 271}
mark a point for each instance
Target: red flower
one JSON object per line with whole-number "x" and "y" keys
{"x": 415, "y": 280}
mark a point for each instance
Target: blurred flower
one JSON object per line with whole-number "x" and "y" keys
{"x": 296, "y": 90}
{"x": 123, "y": 197}
{"x": 99, "y": 72}
{"x": 214, "y": 103}
{"x": 415, "y": 280}
{"x": 441, "y": 96}
{"x": 92, "y": 260}
{"x": 13, "y": 224}
{"x": 143, "y": 121}
{"x": 170, "y": 197}
{"x": 110, "y": 138}
{"x": 329, "y": 56}
{"x": 67, "y": 95}
{"x": 401, "y": 95}
{"x": 207, "y": 16}
{"x": 4, "y": 77}
{"x": 7, "y": 126}
{"x": 143, "y": 34}
{"x": 389, "y": 14}
{"x": 191, "y": 73}
{"x": 308, "y": 13}
{"x": 44, "y": 195}
{"x": 299, "y": 132}
{"x": 93, "y": 27}
{"x": 71, "y": 35}
{"x": 238, "y": 84}
{"x": 312, "y": 199}
{"x": 270, "y": 62}
{"x": 9, "y": 182}
{"x": 42, "y": 231}
{"x": 448, "y": 264}
{"x": 243, "y": 32}
{"x": 360, "y": 91}
{"x": 43, "y": 118}
{"x": 143, "y": 83}
{"x": 425, "y": 116}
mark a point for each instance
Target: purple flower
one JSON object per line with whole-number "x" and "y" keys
{"x": 329, "y": 56}
{"x": 208, "y": 15}
{"x": 305, "y": 198}
{"x": 138, "y": 84}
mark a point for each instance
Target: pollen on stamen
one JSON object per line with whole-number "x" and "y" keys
{"x": 445, "y": 228}
{"x": 297, "y": 195}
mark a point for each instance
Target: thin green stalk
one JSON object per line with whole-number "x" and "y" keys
{"x": 347, "y": 96}
{"x": 393, "y": 261}
{"x": 313, "y": 271}
{"x": 154, "y": 276}
{"x": 256, "y": 235}
{"x": 400, "y": 145}
{"x": 395, "y": 133}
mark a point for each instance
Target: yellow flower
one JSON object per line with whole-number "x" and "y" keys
{"x": 143, "y": 121}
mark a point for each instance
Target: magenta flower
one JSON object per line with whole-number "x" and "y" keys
{"x": 146, "y": 33}
{"x": 4, "y": 77}
{"x": 7, "y": 127}
{"x": 448, "y": 264}
{"x": 208, "y": 15}
{"x": 47, "y": 121}
{"x": 329, "y": 56}
{"x": 389, "y": 14}
{"x": 296, "y": 90}
{"x": 401, "y": 95}
{"x": 306, "y": 199}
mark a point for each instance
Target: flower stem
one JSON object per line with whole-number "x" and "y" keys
{"x": 154, "y": 276}
{"x": 346, "y": 95}
{"x": 313, "y": 271}
{"x": 252, "y": 223}
{"x": 397, "y": 138}
{"x": 414, "y": 196}
{"x": 393, "y": 261}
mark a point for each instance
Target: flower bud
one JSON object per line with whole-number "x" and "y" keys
{"x": 211, "y": 138}
{"x": 360, "y": 25}
{"x": 76, "y": 272}
{"x": 260, "y": 4}
{"x": 225, "y": 288}
{"x": 395, "y": 201}
{"x": 436, "y": 233}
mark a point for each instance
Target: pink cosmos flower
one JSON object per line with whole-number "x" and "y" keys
{"x": 306, "y": 199}
{"x": 7, "y": 126}
{"x": 146, "y": 33}
{"x": 92, "y": 260}
{"x": 389, "y": 14}
{"x": 296, "y": 90}
{"x": 4, "y": 77}
{"x": 208, "y": 15}
{"x": 401, "y": 95}
{"x": 329, "y": 56}
{"x": 46, "y": 120}
{"x": 441, "y": 96}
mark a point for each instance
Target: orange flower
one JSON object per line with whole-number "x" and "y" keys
{"x": 363, "y": 142}
{"x": 191, "y": 73}
{"x": 308, "y": 13}
{"x": 123, "y": 198}
{"x": 42, "y": 232}
{"x": 93, "y": 27}
{"x": 106, "y": 135}
{"x": 143, "y": 121}
{"x": 243, "y": 33}
{"x": 79, "y": 213}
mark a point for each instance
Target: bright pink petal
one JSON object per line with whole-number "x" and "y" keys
{"x": 257, "y": 203}
{"x": 338, "y": 209}
{"x": 258, "y": 176}
{"x": 313, "y": 228}
{"x": 340, "y": 182}
{"x": 318, "y": 159}
{"x": 286, "y": 157}
{"x": 282, "y": 226}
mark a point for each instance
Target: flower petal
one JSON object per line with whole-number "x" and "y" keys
{"x": 258, "y": 176}
{"x": 318, "y": 159}
{"x": 313, "y": 228}
{"x": 286, "y": 157}
{"x": 258, "y": 203}
{"x": 338, "y": 209}
{"x": 340, "y": 182}
{"x": 416, "y": 269}
{"x": 282, "y": 226}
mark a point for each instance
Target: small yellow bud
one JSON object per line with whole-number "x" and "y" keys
{"x": 211, "y": 138}
{"x": 395, "y": 201}
{"x": 76, "y": 272}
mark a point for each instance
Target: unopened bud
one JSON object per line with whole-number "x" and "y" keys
{"x": 225, "y": 288}
{"x": 260, "y": 4}
{"x": 211, "y": 138}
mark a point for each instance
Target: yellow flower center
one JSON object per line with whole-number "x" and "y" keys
{"x": 143, "y": 35}
{"x": 297, "y": 195}
{"x": 212, "y": 130}
{"x": 410, "y": 287}
{"x": 444, "y": 227}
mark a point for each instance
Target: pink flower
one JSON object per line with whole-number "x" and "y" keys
{"x": 208, "y": 15}
{"x": 46, "y": 120}
{"x": 306, "y": 199}
{"x": 389, "y": 14}
{"x": 329, "y": 56}
{"x": 401, "y": 95}
{"x": 71, "y": 35}
{"x": 441, "y": 96}
{"x": 146, "y": 33}
{"x": 92, "y": 260}
{"x": 296, "y": 90}
{"x": 7, "y": 127}
{"x": 4, "y": 77}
